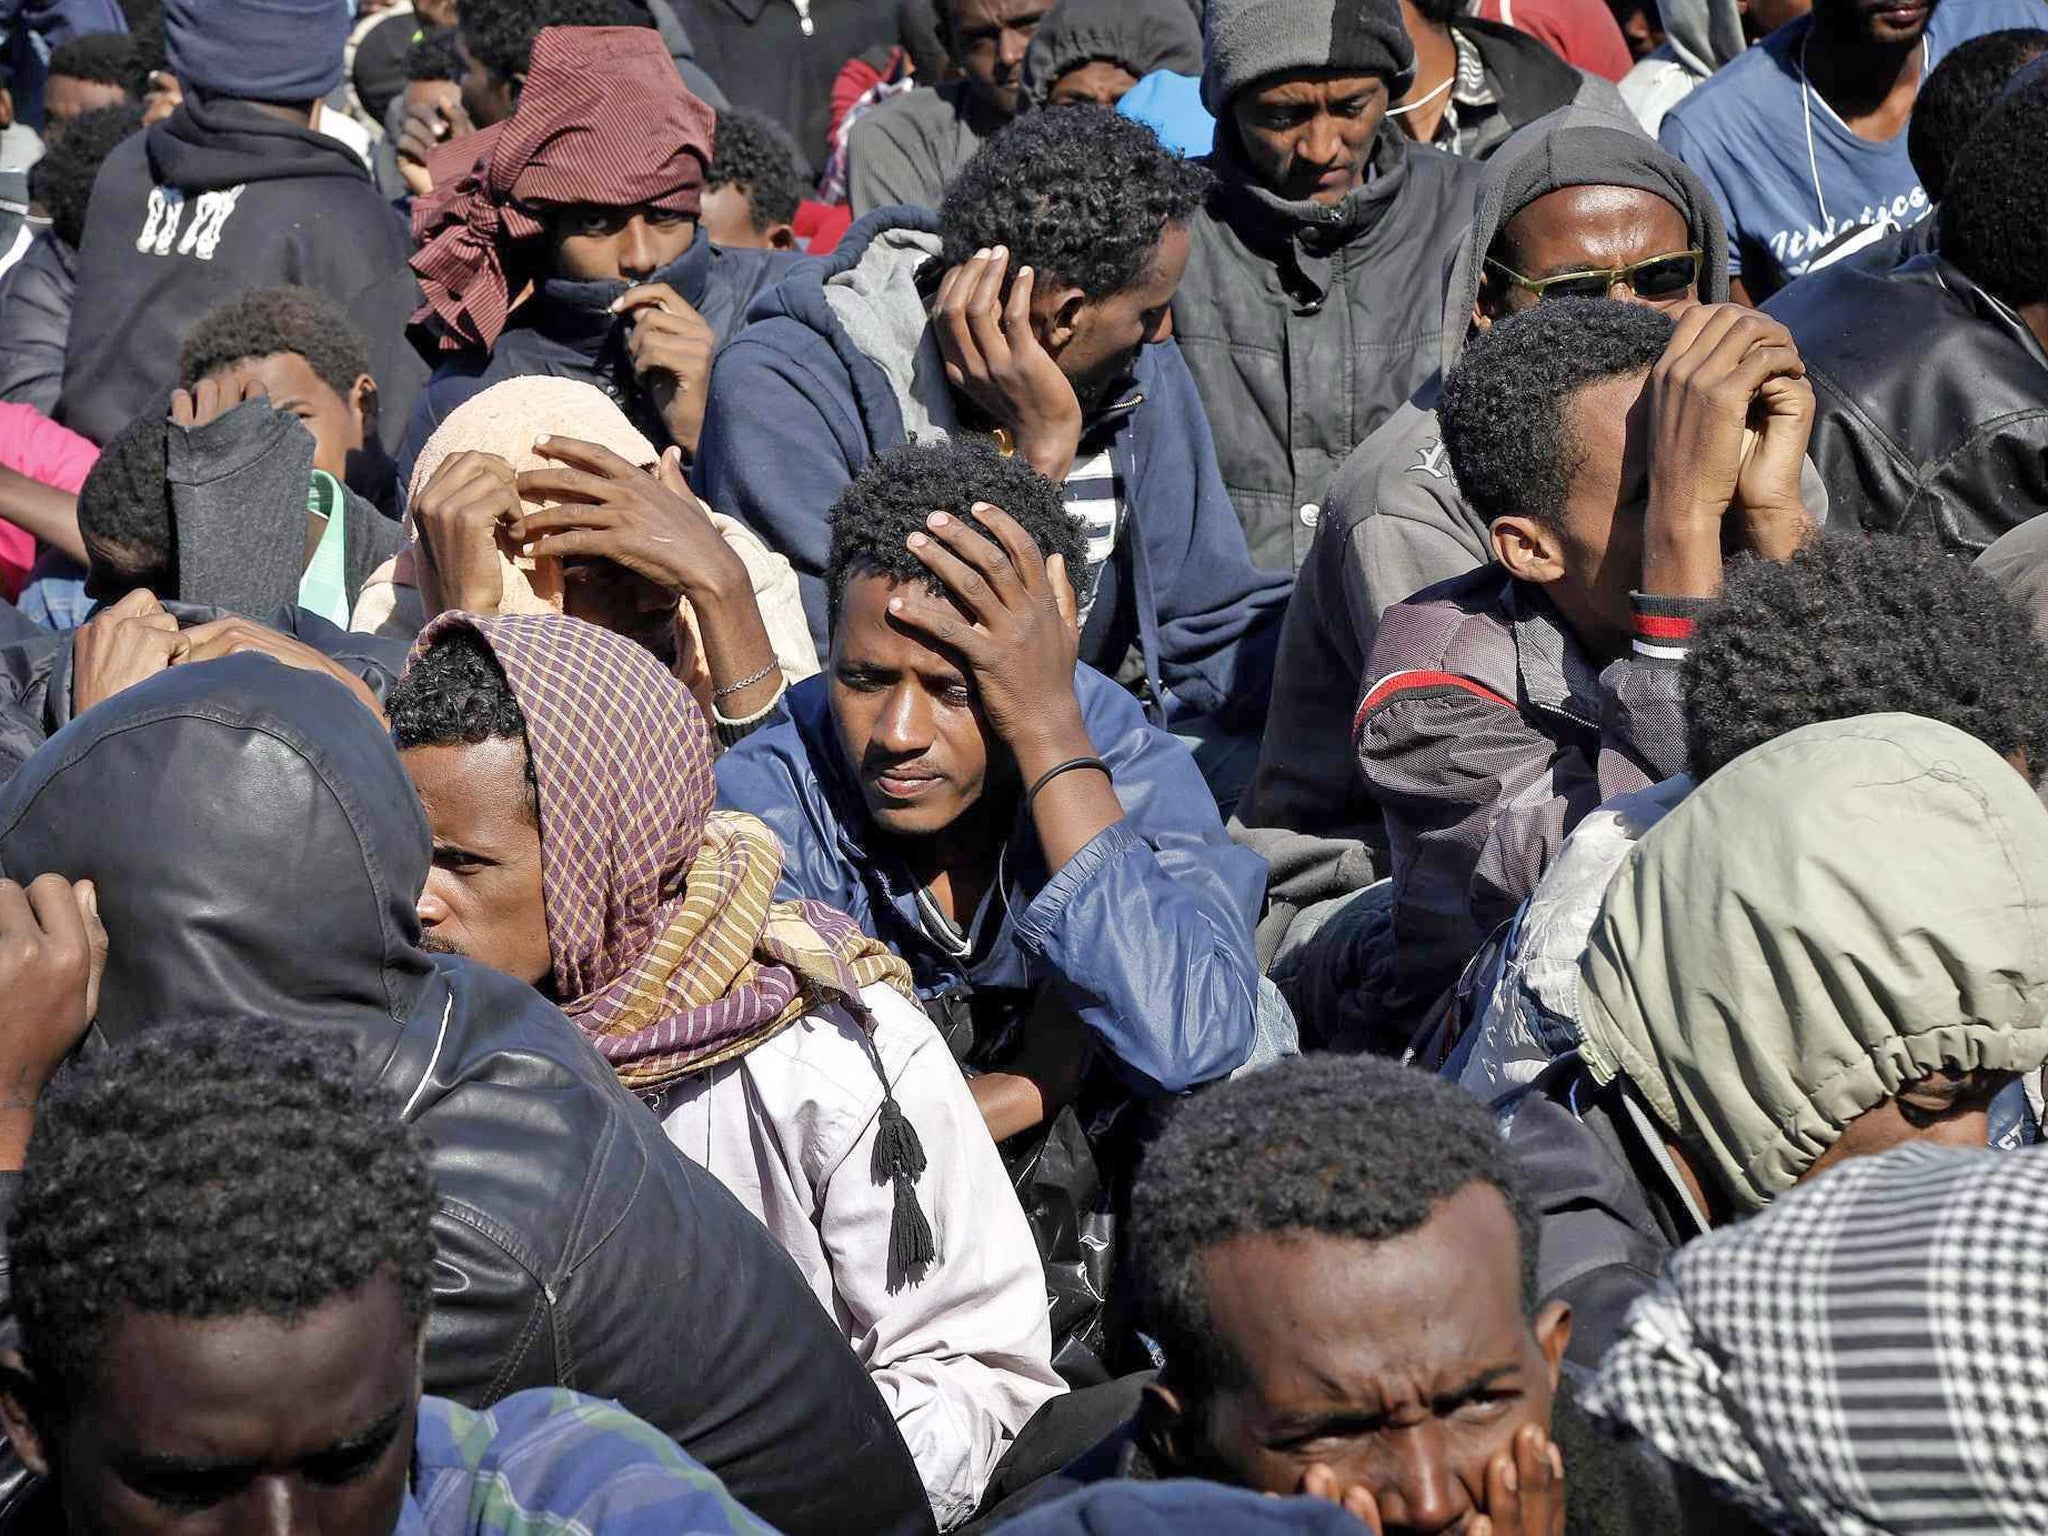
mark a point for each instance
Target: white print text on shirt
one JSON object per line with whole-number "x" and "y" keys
{"x": 1794, "y": 248}
{"x": 210, "y": 214}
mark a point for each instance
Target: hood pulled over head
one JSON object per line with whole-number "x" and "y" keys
{"x": 256, "y": 846}
{"x": 1833, "y": 916}
{"x": 1140, "y": 35}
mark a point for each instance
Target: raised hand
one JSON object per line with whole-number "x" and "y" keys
{"x": 670, "y": 347}
{"x": 994, "y": 358}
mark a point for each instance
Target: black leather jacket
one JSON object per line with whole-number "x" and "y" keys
{"x": 258, "y": 849}
{"x": 1932, "y": 398}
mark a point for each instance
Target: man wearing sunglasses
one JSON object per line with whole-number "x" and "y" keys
{"x": 1572, "y": 204}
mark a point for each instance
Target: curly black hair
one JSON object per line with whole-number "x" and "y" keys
{"x": 1503, "y": 414}
{"x": 1855, "y": 625}
{"x": 756, "y": 156}
{"x": 124, "y": 511}
{"x": 499, "y": 33}
{"x": 1082, "y": 195}
{"x": 455, "y": 694}
{"x": 210, "y": 1170}
{"x": 433, "y": 57}
{"x": 892, "y": 496}
{"x": 1347, "y": 1146}
{"x": 62, "y": 180}
{"x": 265, "y": 321}
{"x": 1994, "y": 221}
{"x": 1958, "y": 94}
{"x": 110, "y": 58}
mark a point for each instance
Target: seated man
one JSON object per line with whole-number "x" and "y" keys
{"x": 236, "y": 189}
{"x": 909, "y": 147}
{"x": 89, "y": 73}
{"x": 588, "y": 195}
{"x": 221, "y": 500}
{"x": 257, "y": 851}
{"x": 1931, "y": 377}
{"x": 567, "y": 781}
{"x": 752, "y": 188}
{"x": 1314, "y": 285}
{"x": 1295, "y": 1235}
{"x": 1608, "y": 449}
{"x": 1772, "y": 987}
{"x": 1851, "y": 625}
{"x": 1034, "y": 308}
{"x": 1573, "y": 205}
{"x": 275, "y": 1208}
{"x": 538, "y": 496}
{"x": 1804, "y": 137}
{"x": 1004, "y": 819}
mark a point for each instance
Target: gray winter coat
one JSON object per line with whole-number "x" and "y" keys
{"x": 1306, "y": 327}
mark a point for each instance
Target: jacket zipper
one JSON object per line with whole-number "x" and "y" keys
{"x": 803, "y": 17}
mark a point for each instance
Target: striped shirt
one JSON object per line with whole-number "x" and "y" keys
{"x": 549, "y": 1460}
{"x": 1094, "y": 494}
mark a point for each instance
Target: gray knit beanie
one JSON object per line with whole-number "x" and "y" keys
{"x": 1245, "y": 41}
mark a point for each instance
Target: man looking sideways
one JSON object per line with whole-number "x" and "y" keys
{"x": 1005, "y": 820}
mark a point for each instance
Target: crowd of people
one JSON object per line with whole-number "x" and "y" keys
{"x": 1058, "y": 766}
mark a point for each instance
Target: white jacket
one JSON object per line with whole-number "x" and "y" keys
{"x": 963, "y": 1357}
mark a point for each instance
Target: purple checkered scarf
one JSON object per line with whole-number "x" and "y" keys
{"x": 669, "y": 950}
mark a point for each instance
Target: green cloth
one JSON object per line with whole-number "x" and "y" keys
{"x": 1834, "y": 915}
{"x": 324, "y": 587}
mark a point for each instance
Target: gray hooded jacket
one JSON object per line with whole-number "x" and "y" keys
{"x": 1394, "y": 523}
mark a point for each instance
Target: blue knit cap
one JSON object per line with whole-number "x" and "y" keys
{"x": 257, "y": 50}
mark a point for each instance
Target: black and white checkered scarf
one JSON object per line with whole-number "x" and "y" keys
{"x": 1869, "y": 1355}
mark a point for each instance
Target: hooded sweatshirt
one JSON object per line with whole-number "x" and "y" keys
{"x": 219, "y": 198}
{"x": 1394, "y": 523}
{"x": 258, "y": 851}
{"x": 1699, "y": 37}
{"x": 839, "y": 365}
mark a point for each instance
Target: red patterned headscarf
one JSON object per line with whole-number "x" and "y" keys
{"x": 603, "y": 120}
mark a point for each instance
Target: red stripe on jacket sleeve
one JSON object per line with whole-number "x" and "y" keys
{"x": 1396, "y": 683}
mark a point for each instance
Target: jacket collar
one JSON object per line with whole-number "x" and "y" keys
{"x": 1555, "y": 672}
{"x": 1304, "y": 237}
{"x": 578, "y": 314}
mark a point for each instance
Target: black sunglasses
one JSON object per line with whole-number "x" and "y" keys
{"x": 1658, "y": 277}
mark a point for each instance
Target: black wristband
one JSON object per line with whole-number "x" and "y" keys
{"x": 1068, "y": 766}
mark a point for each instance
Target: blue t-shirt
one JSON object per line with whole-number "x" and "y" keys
{"x": 1744, "y": 132}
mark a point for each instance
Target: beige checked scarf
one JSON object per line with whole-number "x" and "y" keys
{"x": 670, "y": 951}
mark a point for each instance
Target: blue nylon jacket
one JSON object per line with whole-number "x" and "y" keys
{"x": 797, "y": 409}
{"x": 1147, "y": 931}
